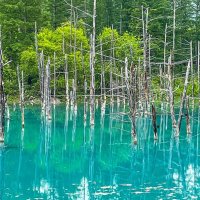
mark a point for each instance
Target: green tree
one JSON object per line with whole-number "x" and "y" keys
{"x": 50, "y": 41}
{"x": 18, "y": 18}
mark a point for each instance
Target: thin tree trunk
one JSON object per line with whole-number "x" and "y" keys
{"x": 102, "y": 72}
{"x": 122, "y": 85}
{"x": 75, "y": 64}
{"x": 72, "y": 93}
{"x": 174, "y": 39}
{"x": 92, "y": 82}
{"x": 2, "y": 95}
{"x": 85, "y": 88}
{"x": 47, "y": 90}
{"x": 22, "y": 99}
{"x": 171, "y": 96}
{"x": 71, "y": 17}
{"x": 131, "y": 103}
{"x": 21, "y": 92}
{"x": 85, "y": 100}
{"x": 66, "y": 80}
{"x": 145, "y": 29}
{"x": 165, "y": 48}
{"x": 54, "y": 80}
{"x": 114, "y": 63}
{"x": 198, "y": 57}
{"x": 39, "y": 61}
{"x": 154, "y": 122}
{"x": 19, "y": 85}
{"x": 188, "y": 116}
{"x": 192, "y": 72}
{"x": 42, "y": 78}
{"x": 183, "y": 99}
{"x": 92, "y": 66}
{"x": 174, "y": 28}
{"x": 111, "y": 70}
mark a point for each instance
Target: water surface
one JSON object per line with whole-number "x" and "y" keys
{"x": 67, "y": 159}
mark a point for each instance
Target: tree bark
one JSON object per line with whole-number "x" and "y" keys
{"x": 154, "y": 122}
{"x": 2, "y": 97}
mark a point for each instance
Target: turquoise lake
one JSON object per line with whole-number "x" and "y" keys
{"x": 67, "y": 159}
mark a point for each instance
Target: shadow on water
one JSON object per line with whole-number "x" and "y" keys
{"x": 65, "y": 158}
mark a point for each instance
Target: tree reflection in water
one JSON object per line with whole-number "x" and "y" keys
{"x": 66, "y": 158}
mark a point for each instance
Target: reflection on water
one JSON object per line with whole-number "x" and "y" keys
{"x": 67, "y": 159}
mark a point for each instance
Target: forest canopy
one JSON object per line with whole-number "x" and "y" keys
{"x": 118, "y": 25}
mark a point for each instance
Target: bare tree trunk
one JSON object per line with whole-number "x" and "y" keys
{"x": 19, "y": 85}
{"x": 161, "y": 84}
{"x": 42, "y": 79}
{"x": 54, "y": 80}
{"x": 85, "y": 100}
{"x": 92, "y": 90}
{"x": 47, "y": 89}
{"x": 92, "y": 66}
{"x": 198, "y": 57}
{"x": 140, "y": 85}
{"x": 144, "y": 40}
{"x": 72, "y": 93}
{"x": 85, "y": 88}
{"x": 165, "y": 48}
{"x": 174, "y": 39}
{"x": 38, "y": 60}
{"x": 154, "y": 122}
{"x": 183, "y": 99}
{"x": 192, "y": 73}
{"x": 111, "y": 70}
{"x": 102, "y": 72}
{"x": 49, "y": 92}
{"x": 22, "y": 99}
{"x": 83, "y": 63}
{"x": 2, "y": 95}
{"x": 66, "y": 80}
{"x": 171, "y": 96}
{"x": 122, "y": 85}
{"x": 188, "y": 116}
{"x": 174, "y": 27}
{"x": 145, "y": 29}
{"x": 75, "y": 64}
{"x": 131, "y": 103}
{"x": 71, "y": 18}
{"x": 149, "y": 57}
{"x": 21, "y": 92}
{"x": 113, "y": 62}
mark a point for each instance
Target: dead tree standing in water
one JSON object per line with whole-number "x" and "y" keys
{"x": 154, "y": 122}
{"x": 21, "y": 92}
{"x": 92, "y": 90}
{"x": 171, "y": 95}
{"x": 66, "y": 80}
{"x": 42, "y": 79}
{"x": 92, "y": 65}
{"x": 2, "y": 98}
{"x": 54, "y": 80}
{"x": 47, "y": 91}
{"x": 176, "y": 125}
{"x": 184, "y": 98}
{"x": 188, "y": 115}
{"x": 131, "y": 100}
{"x": 145, "y": 16}
{"x": 22, "y": 98}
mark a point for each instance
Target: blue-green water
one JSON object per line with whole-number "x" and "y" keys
{"x": 63, "y": 159}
